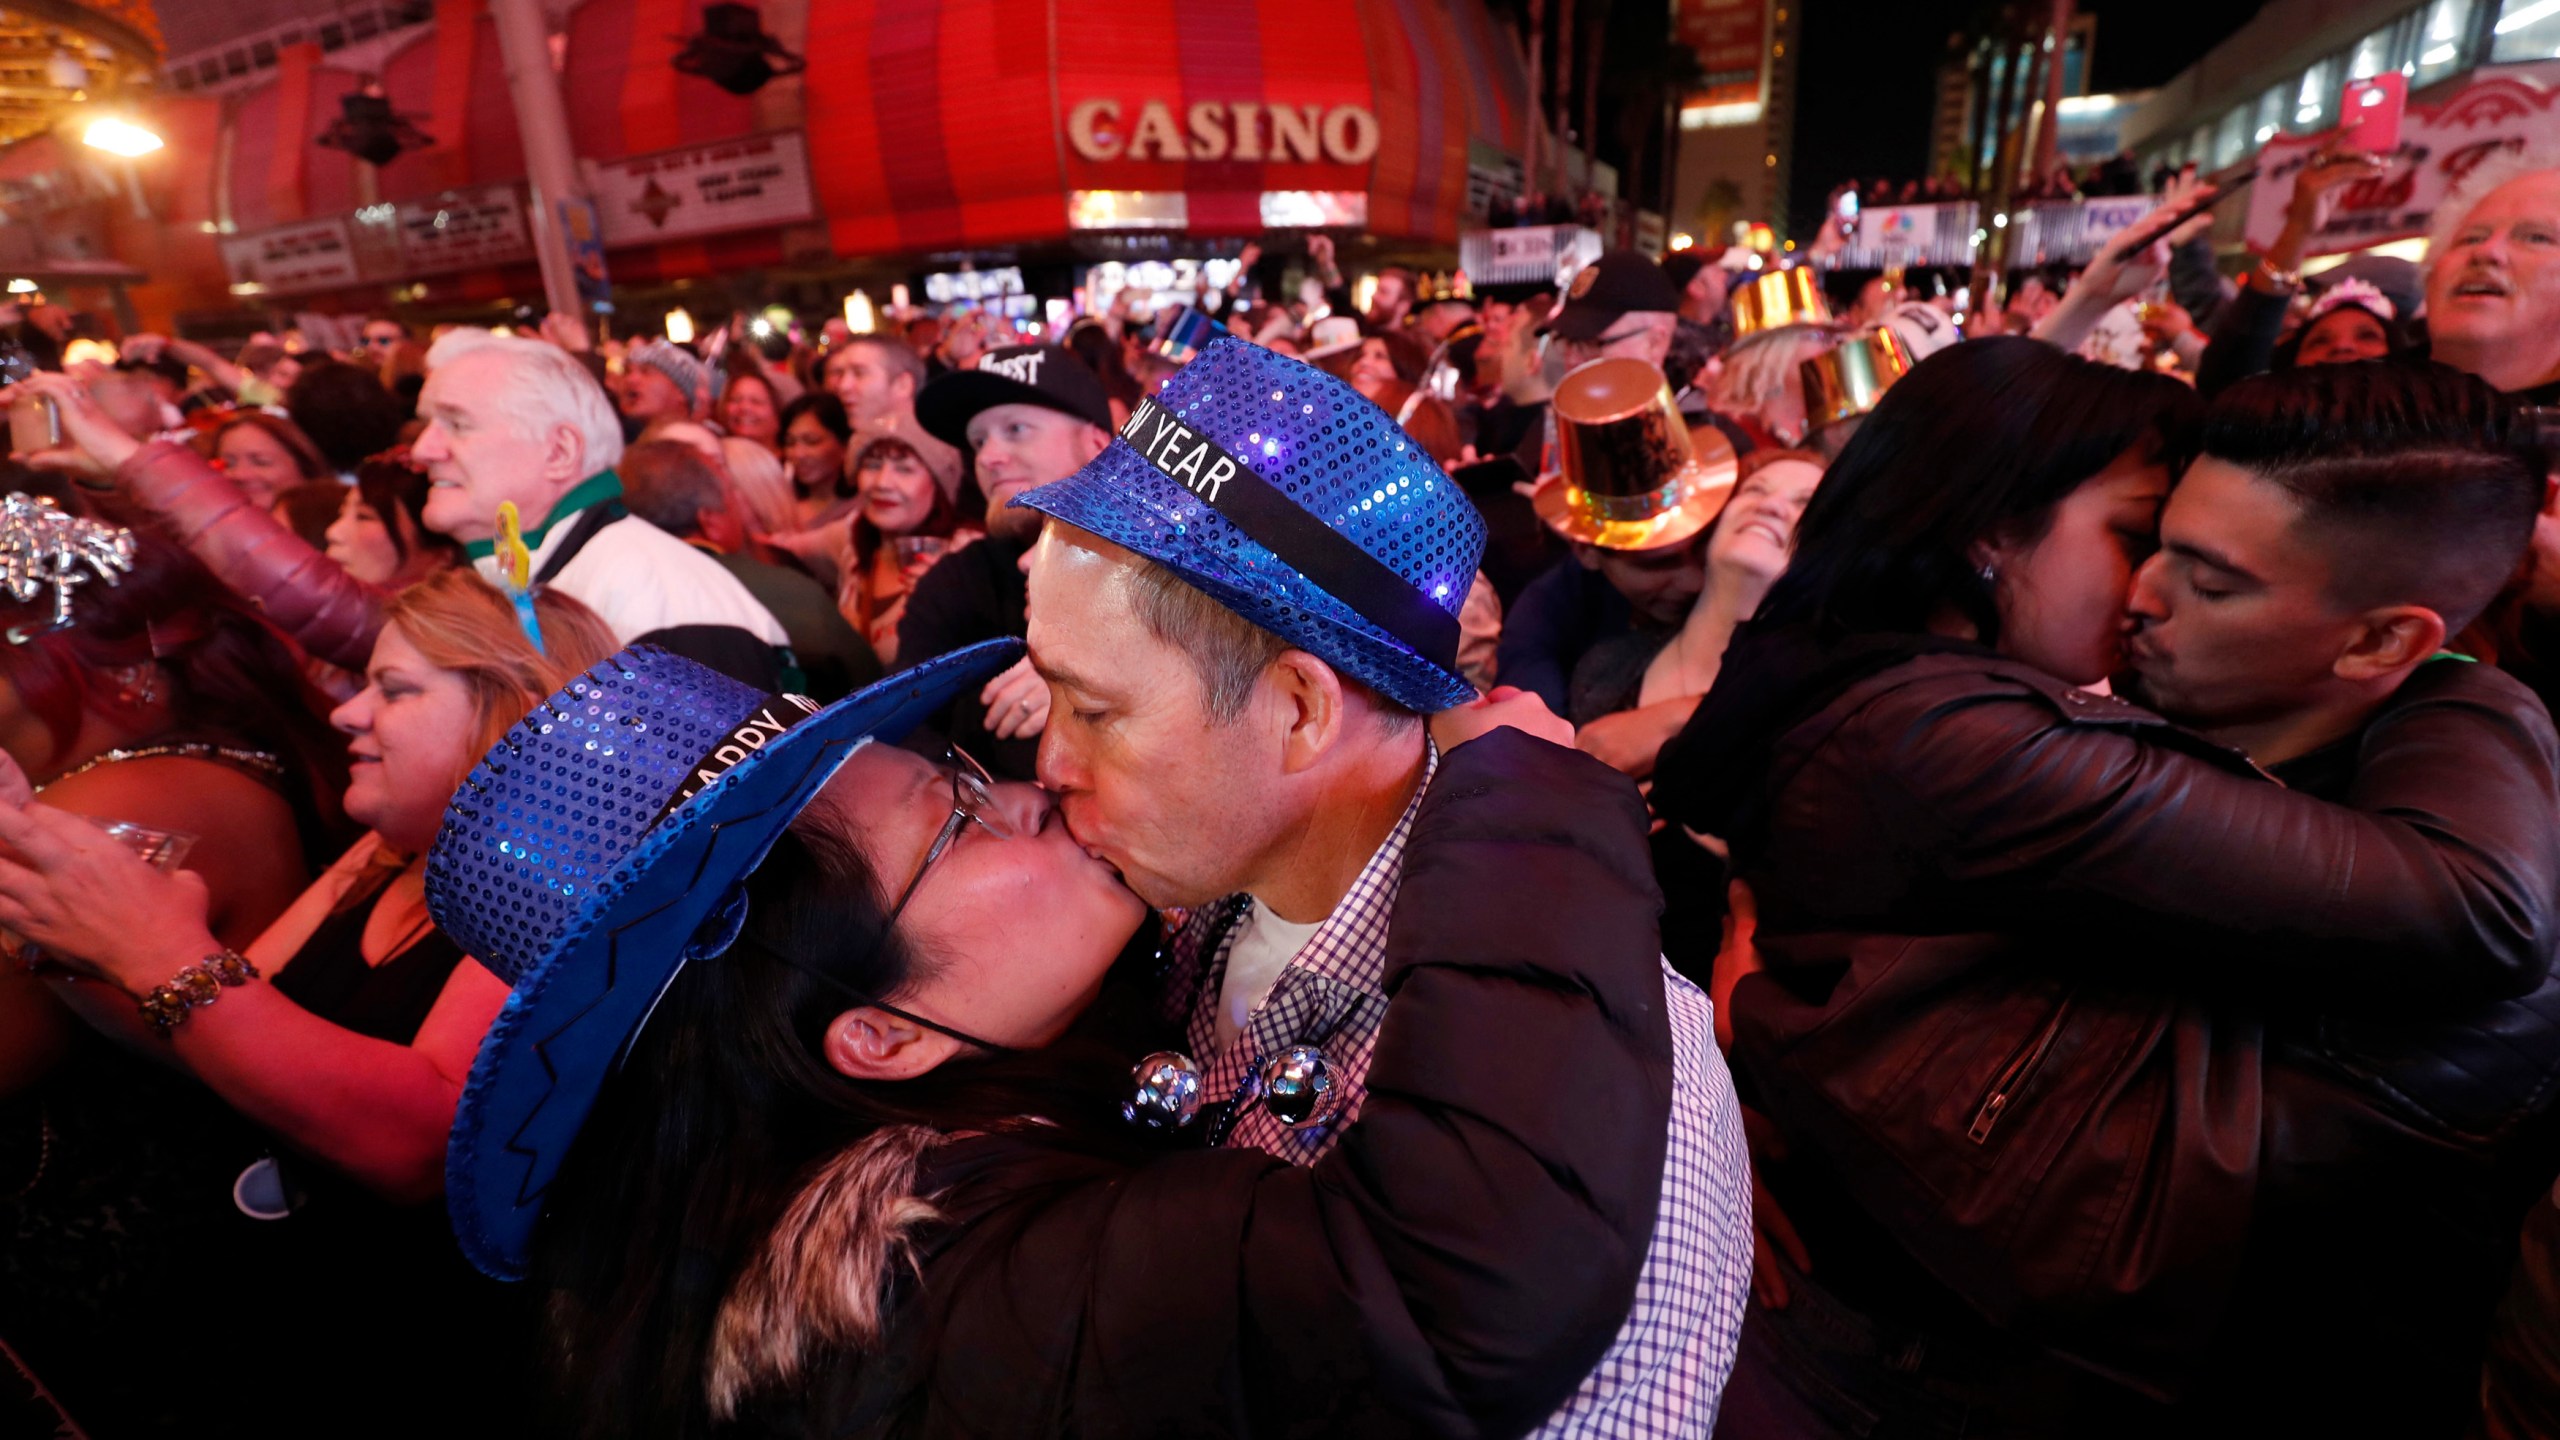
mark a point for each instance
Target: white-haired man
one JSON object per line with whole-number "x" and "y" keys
{"x": 508, "y": 421}
{"x": 2493, "y": 276}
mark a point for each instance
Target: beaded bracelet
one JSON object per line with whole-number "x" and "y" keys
{"x": 198, "y": 985}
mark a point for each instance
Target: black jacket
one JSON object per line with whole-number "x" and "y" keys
{"x": 1454, "y": 1267}
{"x": 2391, "y": 965}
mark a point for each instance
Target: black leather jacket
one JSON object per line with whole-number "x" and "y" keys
{"x": 2400, "y": 951}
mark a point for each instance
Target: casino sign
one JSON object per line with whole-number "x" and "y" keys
{"x": 1211, "y": 130}
{"x": 919, "y": 127}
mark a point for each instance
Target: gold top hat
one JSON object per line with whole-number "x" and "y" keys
{"x": 1779, "y": 297}
{"x": 1845, "y": 382}
{"x": 1635, "y": 476}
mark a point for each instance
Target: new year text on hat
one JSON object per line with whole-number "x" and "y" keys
{"x": 1288, "y": 530}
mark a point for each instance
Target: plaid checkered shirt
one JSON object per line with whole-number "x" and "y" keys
{"x": 1666, "y": 1370}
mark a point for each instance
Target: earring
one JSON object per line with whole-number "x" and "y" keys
{"x": 1990, "y": 576}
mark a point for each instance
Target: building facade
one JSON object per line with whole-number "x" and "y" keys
{"x": 924, "y": 137}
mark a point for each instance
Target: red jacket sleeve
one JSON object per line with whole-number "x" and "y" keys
{"x": 305, "y": 593}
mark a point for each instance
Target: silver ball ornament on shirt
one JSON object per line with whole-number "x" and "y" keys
{"x": 1297, "y": 1087}
{"x": 1169, "y": 1088}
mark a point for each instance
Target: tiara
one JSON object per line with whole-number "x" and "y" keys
{"x": 42, "y": 548}
{"x": 2356, "y": 291}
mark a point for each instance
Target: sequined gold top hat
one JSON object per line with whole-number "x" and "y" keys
{"x": 1635, "y": 477}
{"x": 1779, "y": 297}
{"x": 1845, "y": 382}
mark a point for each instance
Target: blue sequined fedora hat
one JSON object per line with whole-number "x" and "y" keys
{"x": 591, "y": 854}
{"x": 1285, "y": 495}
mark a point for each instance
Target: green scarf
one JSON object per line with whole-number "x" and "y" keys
{"x": 595, "y": 490}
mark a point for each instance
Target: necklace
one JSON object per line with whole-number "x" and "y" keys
{"x": 44, "y": 1157}
{"x": 255, "y": 760}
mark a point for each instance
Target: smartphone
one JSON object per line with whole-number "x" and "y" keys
{"x": 2370, "y": 112}
{"x": 35, "y": 423}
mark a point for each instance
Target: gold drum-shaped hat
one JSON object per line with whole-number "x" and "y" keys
{"x": 1845, "y": 382}
{"x": 1634, "y": 476}
{"x": 1779, "y": 297}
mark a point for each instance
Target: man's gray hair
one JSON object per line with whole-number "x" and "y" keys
{"x": 2476, "y": 186}
{"x": 544, "y": 386}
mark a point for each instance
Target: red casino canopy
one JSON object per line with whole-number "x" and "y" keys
{"x": 920, "y": 126}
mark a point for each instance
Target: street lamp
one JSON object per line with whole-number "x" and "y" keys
{"x": 120, "y": 137}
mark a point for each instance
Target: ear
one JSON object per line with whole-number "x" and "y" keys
{"x": 2388, "y": 644}
{"x": 1313, "y": 710}
{"x": 1096, "y": 440}
{"x": 1587, "y": 556}
{"x": 868, "y": 1044}
{"x": 903, "y": 385}
{"x": 564, "y": 454}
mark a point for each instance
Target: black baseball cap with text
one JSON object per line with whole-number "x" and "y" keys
{"x": 1049, "y": 376}
{"x": 1618, "y": 283}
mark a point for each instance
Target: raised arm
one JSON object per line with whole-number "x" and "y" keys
{"x": 308, "y": 595}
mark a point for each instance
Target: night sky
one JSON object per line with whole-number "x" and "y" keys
{"x": 1870, "y": 71}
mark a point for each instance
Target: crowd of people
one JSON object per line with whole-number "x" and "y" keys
{"x": 1686, "y": 852}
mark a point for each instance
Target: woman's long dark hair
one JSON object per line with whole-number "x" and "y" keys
{"x": 1980, "y": 441}
{"x": 828, "y": 411}
{"x": 723, "y": 1106}
{"x": 393, "y": 488}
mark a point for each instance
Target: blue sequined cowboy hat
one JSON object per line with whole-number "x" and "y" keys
{"x": 598, "y": 848}
{"x": 1283, "y": 494}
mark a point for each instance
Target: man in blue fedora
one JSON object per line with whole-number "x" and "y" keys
{"x": 1245, "y": 608}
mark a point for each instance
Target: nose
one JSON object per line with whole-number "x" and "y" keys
{"x": 1022, "y": 806}
{"x": 2143, "y": 602}
{"x": 429, "y": 446}
{"x": 356, "y": 716}
{"x": 1061, "y": 772}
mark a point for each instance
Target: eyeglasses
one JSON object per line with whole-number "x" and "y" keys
{"x": 973, "y": 802}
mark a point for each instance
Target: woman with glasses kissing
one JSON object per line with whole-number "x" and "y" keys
{"x": 869, "y": 1167}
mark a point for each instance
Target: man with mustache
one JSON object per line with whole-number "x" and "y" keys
{"x": 2493, "y": 276}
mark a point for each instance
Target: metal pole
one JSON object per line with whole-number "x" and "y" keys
{"x": 2049, "y": 128}
{"x": 544, "y": 123}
